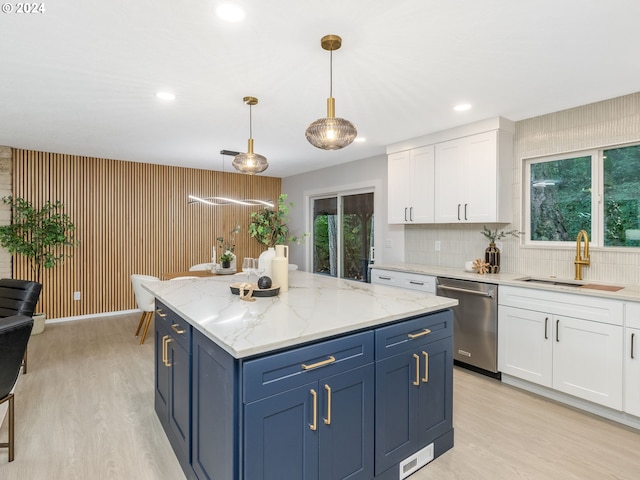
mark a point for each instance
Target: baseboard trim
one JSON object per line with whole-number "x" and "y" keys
{"x": 575, "y": 402}
{"x": 93, "y": 315}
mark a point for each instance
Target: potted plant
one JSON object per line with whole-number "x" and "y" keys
{"x": 227, "y": 247}
{"x": 40, "y": 235}
{"x": 492, "y": 253}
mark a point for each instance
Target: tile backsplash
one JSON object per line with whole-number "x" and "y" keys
{"x": 605, "y": 123}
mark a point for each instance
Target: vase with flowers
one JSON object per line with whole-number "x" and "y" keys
{"x": 492, "y": 252}
{"x": 227, "y": 247}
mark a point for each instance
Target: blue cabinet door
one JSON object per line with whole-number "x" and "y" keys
{"x": 396, "y": 400}
{"x": 280, "y": 436}
{"x": 346, "y": 426}
{"x": 161, "y": 374}
{"x": 214, "y": 411}
{"x": 435, "y": 415}
{"x": 179, "y": 398}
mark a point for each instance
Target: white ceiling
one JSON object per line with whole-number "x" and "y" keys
{"x": 81, "y": 77}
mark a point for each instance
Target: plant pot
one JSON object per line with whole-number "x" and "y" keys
{"x": 38, "y": 323}
{"x": 226, "y": 264}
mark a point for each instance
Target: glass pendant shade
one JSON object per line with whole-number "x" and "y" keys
{"x": 250, "y": 163}
{"x": 331, "y": 133}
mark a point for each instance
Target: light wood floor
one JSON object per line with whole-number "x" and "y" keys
{"x": 85, "y": 411}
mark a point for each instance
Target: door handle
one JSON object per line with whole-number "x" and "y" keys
{"x": 458, "y": 211}
{"x": 546, "y": 324}
{"x": 327, "y": 421}
{"x": 165, "y": 349}
{"x": 417, "y": 382}
{"x": 557, "y": 328}
{"x": 425, "y": 378}
{"x": 465, "y": 211}
{"x": 160, "y": 314}
{"x": 411, "y": 214}
{"x": 314, "y": 426}
{"x": 632, "y": 337}
{"x": 405, "y": 214}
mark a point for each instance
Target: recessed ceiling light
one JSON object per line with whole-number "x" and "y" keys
{"x": 360, "y": 140}
{"x": 462, "y": 107}
{"x": 230, "y": 12}
{"x": 165, "y": 95}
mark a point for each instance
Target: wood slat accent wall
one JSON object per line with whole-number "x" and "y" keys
{"x": 130, "y": 218}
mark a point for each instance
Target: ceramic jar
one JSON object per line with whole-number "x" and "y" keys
{"x": 280, "y": 267}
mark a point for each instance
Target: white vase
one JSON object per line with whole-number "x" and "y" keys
{"x": 264, "y": 262}
{"x": 280, "y": 267}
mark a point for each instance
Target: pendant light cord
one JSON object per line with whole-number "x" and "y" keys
{"x": 330, "y": 73}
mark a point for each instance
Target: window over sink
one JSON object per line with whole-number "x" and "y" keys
{"x": 595, "y": 190}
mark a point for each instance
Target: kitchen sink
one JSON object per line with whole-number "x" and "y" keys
{"x": 569, "y": 283}
{"x": 551, "y": 281}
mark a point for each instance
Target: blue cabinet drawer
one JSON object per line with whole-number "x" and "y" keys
{"x": 403, "y": 336}
{"x": 277, "y": 373}
{"x": 179, "y": 328}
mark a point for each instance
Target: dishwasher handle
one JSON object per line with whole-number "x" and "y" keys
{"x": 464, "y": 290}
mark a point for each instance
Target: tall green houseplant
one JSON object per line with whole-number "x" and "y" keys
{"x": 39, "y": 234}
{"x": 269, "y": 225}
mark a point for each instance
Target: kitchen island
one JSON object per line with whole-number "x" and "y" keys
{"x": 332, "y": 379}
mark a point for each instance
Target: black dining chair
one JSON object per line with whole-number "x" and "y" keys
{"x": 18, "y": 297}
{"x": 14, "y": 336}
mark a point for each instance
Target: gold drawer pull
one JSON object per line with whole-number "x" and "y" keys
{"x": 175, "y": 329}
{"x": 165, "y": 350}
{"x": 329, "y": 360}
{"x": 417, "y": 382}
{"x": 314, "y": 426}
{"x": 160, "y": 314}
{"x": 426, "y": 331}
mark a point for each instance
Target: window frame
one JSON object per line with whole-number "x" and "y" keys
{"x": 596, "y": 235}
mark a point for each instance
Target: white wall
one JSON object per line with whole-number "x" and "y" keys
{"x": 367, "y": 173}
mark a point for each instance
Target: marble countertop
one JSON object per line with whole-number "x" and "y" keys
{"x": 626, "y": 293}
{"x": 315, "y": 307}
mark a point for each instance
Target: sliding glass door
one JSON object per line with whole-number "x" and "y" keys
{"x": 343, "y": 235}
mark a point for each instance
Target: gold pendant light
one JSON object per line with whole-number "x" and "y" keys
{"x": 250, "y": 163}
{"x": 331, "y": 133}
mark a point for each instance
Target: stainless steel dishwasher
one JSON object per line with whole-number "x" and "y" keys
{"x": 475, "y": 322}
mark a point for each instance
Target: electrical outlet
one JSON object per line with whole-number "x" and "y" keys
{"x": 437, "y": 245}
{"x": 76, "y": 295}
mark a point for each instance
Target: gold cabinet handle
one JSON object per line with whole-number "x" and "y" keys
{"x": 314, "y": 426}
{"x": 160, "y": 314}
{"x": 417, "y": 382}
{"x": 426, "y": 331}
{"x": 168, "y": 341}
{"x": 327, "y": 420}
{"x": 175, "y": 329}
{"x": 164, "y": 349}
{"x": 329, "y": 360}
{"x": 425, "y": 378}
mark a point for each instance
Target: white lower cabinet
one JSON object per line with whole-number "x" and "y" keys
{"x": 542, "y": 341}
{"x": 412, "y": 281}
{"x": 632, "y": 359}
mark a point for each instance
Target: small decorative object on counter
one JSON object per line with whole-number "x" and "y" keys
{"x": 264, "y": 282}
{"x": 264, "y": 261}
{"x": 280, "y": 267}
{"x": 492, "y": 253}
{"x": 480, "y": 266}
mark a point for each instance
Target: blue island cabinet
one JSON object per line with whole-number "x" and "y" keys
{"x": 173, "y": 379}
{"x": 349, "y": 407}
{"x": 309, "y": 412}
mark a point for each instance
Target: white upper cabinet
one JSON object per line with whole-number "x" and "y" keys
{"x": 473, "y": 177}
{"x": 462, "y": 175}
{"x": 410, "y": 186}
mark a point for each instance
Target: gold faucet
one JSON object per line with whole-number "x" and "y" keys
{"x": 580, "y": 259}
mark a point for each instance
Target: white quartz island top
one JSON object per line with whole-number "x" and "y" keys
{"x": 315, "y": 307}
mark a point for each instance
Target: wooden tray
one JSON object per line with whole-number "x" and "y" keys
{"x": 257, "y": 292}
